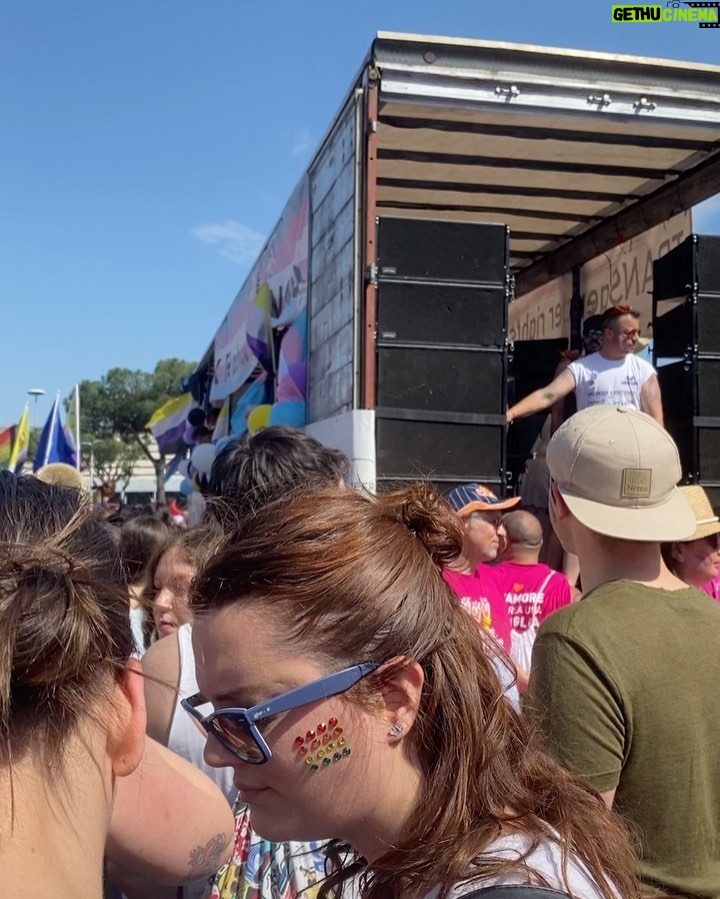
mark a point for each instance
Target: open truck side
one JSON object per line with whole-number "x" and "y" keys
{"x": 572, "y": 152}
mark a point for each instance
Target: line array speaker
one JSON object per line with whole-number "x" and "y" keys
{"x": 686, "y": 351}
{"x": 442, "y": 294}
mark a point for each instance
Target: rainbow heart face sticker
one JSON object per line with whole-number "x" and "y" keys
{"x": 324, "y": 746}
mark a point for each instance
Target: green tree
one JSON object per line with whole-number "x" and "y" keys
{"x": 110, "y": 459}
{"x": 120, "y": 404}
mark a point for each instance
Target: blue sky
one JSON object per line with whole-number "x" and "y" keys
{"x": 149, "y": 146}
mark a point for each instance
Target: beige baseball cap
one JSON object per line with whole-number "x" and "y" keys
{"x": 617, "y": 470}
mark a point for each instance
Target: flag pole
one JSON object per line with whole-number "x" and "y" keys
{"x": 77, "y": 426}
{"x": 53, "y": 426}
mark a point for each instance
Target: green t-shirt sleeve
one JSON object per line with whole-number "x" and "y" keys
{"x": 577, "y": 709}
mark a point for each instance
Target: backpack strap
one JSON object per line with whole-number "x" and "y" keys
{"x": 516, "y": 891}
{"x": 543, "y": 586}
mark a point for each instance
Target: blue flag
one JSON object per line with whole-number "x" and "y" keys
{"x": 54, "y": 446}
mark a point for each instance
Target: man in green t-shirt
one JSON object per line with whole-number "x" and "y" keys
{"x": 624, "y": 684}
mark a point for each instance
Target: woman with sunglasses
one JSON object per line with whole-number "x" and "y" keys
{"x": 697, "y": 560}
{"x": 357, "y": 704}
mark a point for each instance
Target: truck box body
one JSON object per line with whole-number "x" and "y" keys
{"x": 569, "y": 153}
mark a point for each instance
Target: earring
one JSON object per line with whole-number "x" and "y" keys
{"x": 396, "y": 729}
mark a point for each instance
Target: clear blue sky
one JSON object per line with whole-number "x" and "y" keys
{"x": 148, "y": 147}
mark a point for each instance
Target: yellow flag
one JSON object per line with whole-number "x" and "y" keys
{"x": 22, "y": 442}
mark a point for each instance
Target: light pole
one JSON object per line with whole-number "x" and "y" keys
{"x": 35, "y": 392}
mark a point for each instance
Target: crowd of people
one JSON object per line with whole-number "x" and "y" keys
{"x": 319, "y": 692}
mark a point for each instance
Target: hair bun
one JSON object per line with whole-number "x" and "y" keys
{"x": 425, "y": 513}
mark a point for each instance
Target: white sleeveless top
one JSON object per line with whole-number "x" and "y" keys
{"x": 185, "y": 739}
{"x": 609, "y": 382}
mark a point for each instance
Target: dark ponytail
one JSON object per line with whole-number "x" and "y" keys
{"x": 64, "y": 625}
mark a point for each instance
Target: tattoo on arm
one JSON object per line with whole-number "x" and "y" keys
{"x": 205, "y": 860}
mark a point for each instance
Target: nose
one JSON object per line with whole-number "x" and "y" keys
{"x": 163, "y": 601}
{"x": 217, "y": 756}
{"x": 500, "y": 530}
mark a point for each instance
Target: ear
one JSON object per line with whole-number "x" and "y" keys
{"x": 677, "y": 552}
{"x": 559, "y": 505}
{"x": 126, "y": 731}
{"x": 401, "y": 694}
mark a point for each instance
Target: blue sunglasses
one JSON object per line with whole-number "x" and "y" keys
{"x": 236, "y": 729}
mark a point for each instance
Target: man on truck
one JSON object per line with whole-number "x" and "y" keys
{"x": 614, "y": 376}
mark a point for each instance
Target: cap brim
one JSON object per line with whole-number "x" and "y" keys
{"x": 673, "y": 520}
{"x": 502, "y": 506}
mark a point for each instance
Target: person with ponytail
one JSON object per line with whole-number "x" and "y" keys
{"x": 355, "y": 699}
{"x": 72, "y": 716}
{"x": 79, "y": 782}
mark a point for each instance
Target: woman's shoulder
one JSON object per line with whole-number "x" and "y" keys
{"x": 542, "y": 867}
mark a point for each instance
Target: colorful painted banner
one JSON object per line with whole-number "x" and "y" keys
{"x": 273, "y": 295}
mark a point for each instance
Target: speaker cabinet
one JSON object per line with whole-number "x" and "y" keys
{"x": 691, "y": 402}
{"x": 442, "y": 294}
{"x": 686, "y": 351}
{"x": 435, "y": 250}
{"x": 438, "y": 379}
{"x": 435, "y": 312}
{"x": 690, "y": 324}
{"x": 693, "y": 262}
{"x": 443, "y": 451}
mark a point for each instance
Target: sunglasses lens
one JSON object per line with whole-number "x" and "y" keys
{"x": 235, "y": 732}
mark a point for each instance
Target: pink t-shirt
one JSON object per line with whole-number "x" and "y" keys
{"x": 481, "y": 596}
{"x": 712, "y": 588}
{"x": 531, "y": 593}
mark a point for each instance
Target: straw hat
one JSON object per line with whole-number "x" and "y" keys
{"x": 707, "y": 522}
{"x": 61, "y": 474}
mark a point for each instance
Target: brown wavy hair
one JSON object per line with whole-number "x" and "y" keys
{"x": 359, "y": 579}
{"x": 193, "y": 544}
{"x": 64, "y": 629}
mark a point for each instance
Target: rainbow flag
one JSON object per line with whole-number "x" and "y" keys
{"x": 7, "y": 438}
{"x": 168, "y": 423}
{"x": 19, "y": 454}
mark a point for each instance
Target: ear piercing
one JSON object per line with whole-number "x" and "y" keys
{"x": 326, "y": 745}
{"x": 396, "y": 730}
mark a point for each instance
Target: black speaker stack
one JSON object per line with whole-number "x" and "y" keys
{"x": 686, "y": 352}
{"x": 442, "y": 294}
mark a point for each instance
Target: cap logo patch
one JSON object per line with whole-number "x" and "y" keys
{"x": 636, "y": 483}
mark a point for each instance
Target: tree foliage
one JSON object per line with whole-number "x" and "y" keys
{"x": 115, "y": 409}
{"x": 110, "y": 460}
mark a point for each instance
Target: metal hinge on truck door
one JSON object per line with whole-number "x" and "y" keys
{"x": 371, "y": 274}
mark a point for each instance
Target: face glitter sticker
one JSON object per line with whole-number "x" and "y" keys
{"x": 323, "y": 746}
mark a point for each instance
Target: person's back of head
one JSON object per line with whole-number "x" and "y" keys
{"x": 524, "y": 536}
{"x": 259, "y": 468}
{"x": 336, "y": 583}
{"x": 64, "y": 629}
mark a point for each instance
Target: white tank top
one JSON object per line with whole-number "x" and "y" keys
{"x": 185, "y": 739}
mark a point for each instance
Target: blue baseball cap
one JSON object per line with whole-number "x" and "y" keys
{"x": 469, "y": 498}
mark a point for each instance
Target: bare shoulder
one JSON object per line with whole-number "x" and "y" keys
{"x": 162, "y": 660}
{"x": 161, "y": 667}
